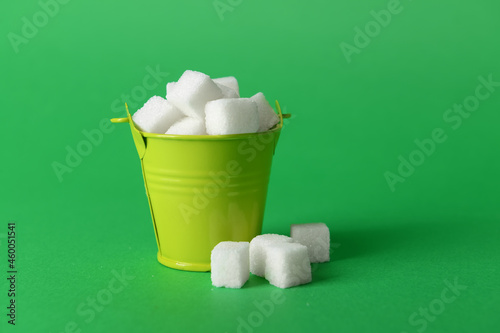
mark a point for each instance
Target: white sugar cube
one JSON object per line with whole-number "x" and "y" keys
{"x": 231, "y": 116}
{"x": 267, "y": 117}
{"x": 229, "y": 264}
{"x": 170, "y": 87}
{"x": 228, "y": 92}
{"x": 188, "y": 126}
{"x": 192, "y": 92}
{"x": 230, "y": 82}
{"x": 156, "y": 116}
{"x": 316, "y": 236}
{"x": 287, "y": 265}
{"x": 258, "y": 248}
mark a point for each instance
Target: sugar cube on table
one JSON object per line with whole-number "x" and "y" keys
{"x": 192, "y": 91}
{"x": 228, "y": 92}
{"x": 188, "y": 126}
{"x": 316, "y": 236}
{"x": 258, "y": 248}
{"x": 231, "y": 116}
{"x": 230, "y": 82}
{"x": 229, "y": 264}
{"x": 267, "y": 117}
{"x": 156, "y": 116}
{"x": 287, "y": 265}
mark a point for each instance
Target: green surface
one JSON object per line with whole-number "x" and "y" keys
{"x": 396, "y": 250}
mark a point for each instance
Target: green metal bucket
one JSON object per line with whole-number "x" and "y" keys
{"x": 204, "y": 189}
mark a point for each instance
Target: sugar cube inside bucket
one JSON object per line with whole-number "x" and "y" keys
{"x": 188, "y": 126}
{"x": 228, "y": 92}
{"x": 316, "y": 236}
{"x": 287, "y": 265}
{"x": 230, "y": 82}
{"x": 267, "y": 117}
{"x": 230, "y": 264}
{"x": 192, "y": 91}
{"x": 258, "y": 248}
{"x": 231, "y": 116}
{"x": 156, "y": 116}
{"x": 170, "y": 87}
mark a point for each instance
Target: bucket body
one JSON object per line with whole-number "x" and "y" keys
{"x": 203, "y": 190}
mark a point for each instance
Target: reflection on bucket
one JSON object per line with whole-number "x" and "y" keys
{"x": 204, "y": 189}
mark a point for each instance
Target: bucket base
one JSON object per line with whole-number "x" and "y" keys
{"x": 184, "y": 266}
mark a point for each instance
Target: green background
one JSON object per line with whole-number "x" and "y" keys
{"x": 393, "y": 251}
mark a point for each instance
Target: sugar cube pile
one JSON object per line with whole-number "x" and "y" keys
{"x": 199, "y": 105}
{"x": 284, "y": 261}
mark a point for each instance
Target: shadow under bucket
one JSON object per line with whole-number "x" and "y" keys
{"x": 204, "y": 189}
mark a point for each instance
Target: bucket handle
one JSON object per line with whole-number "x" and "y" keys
{"x": 119, "y": 120}
{"x": 140, "y": 144}
{"x": 281, "y": 114}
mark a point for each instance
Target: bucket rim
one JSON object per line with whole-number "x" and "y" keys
{"x": 209, "y": 137}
